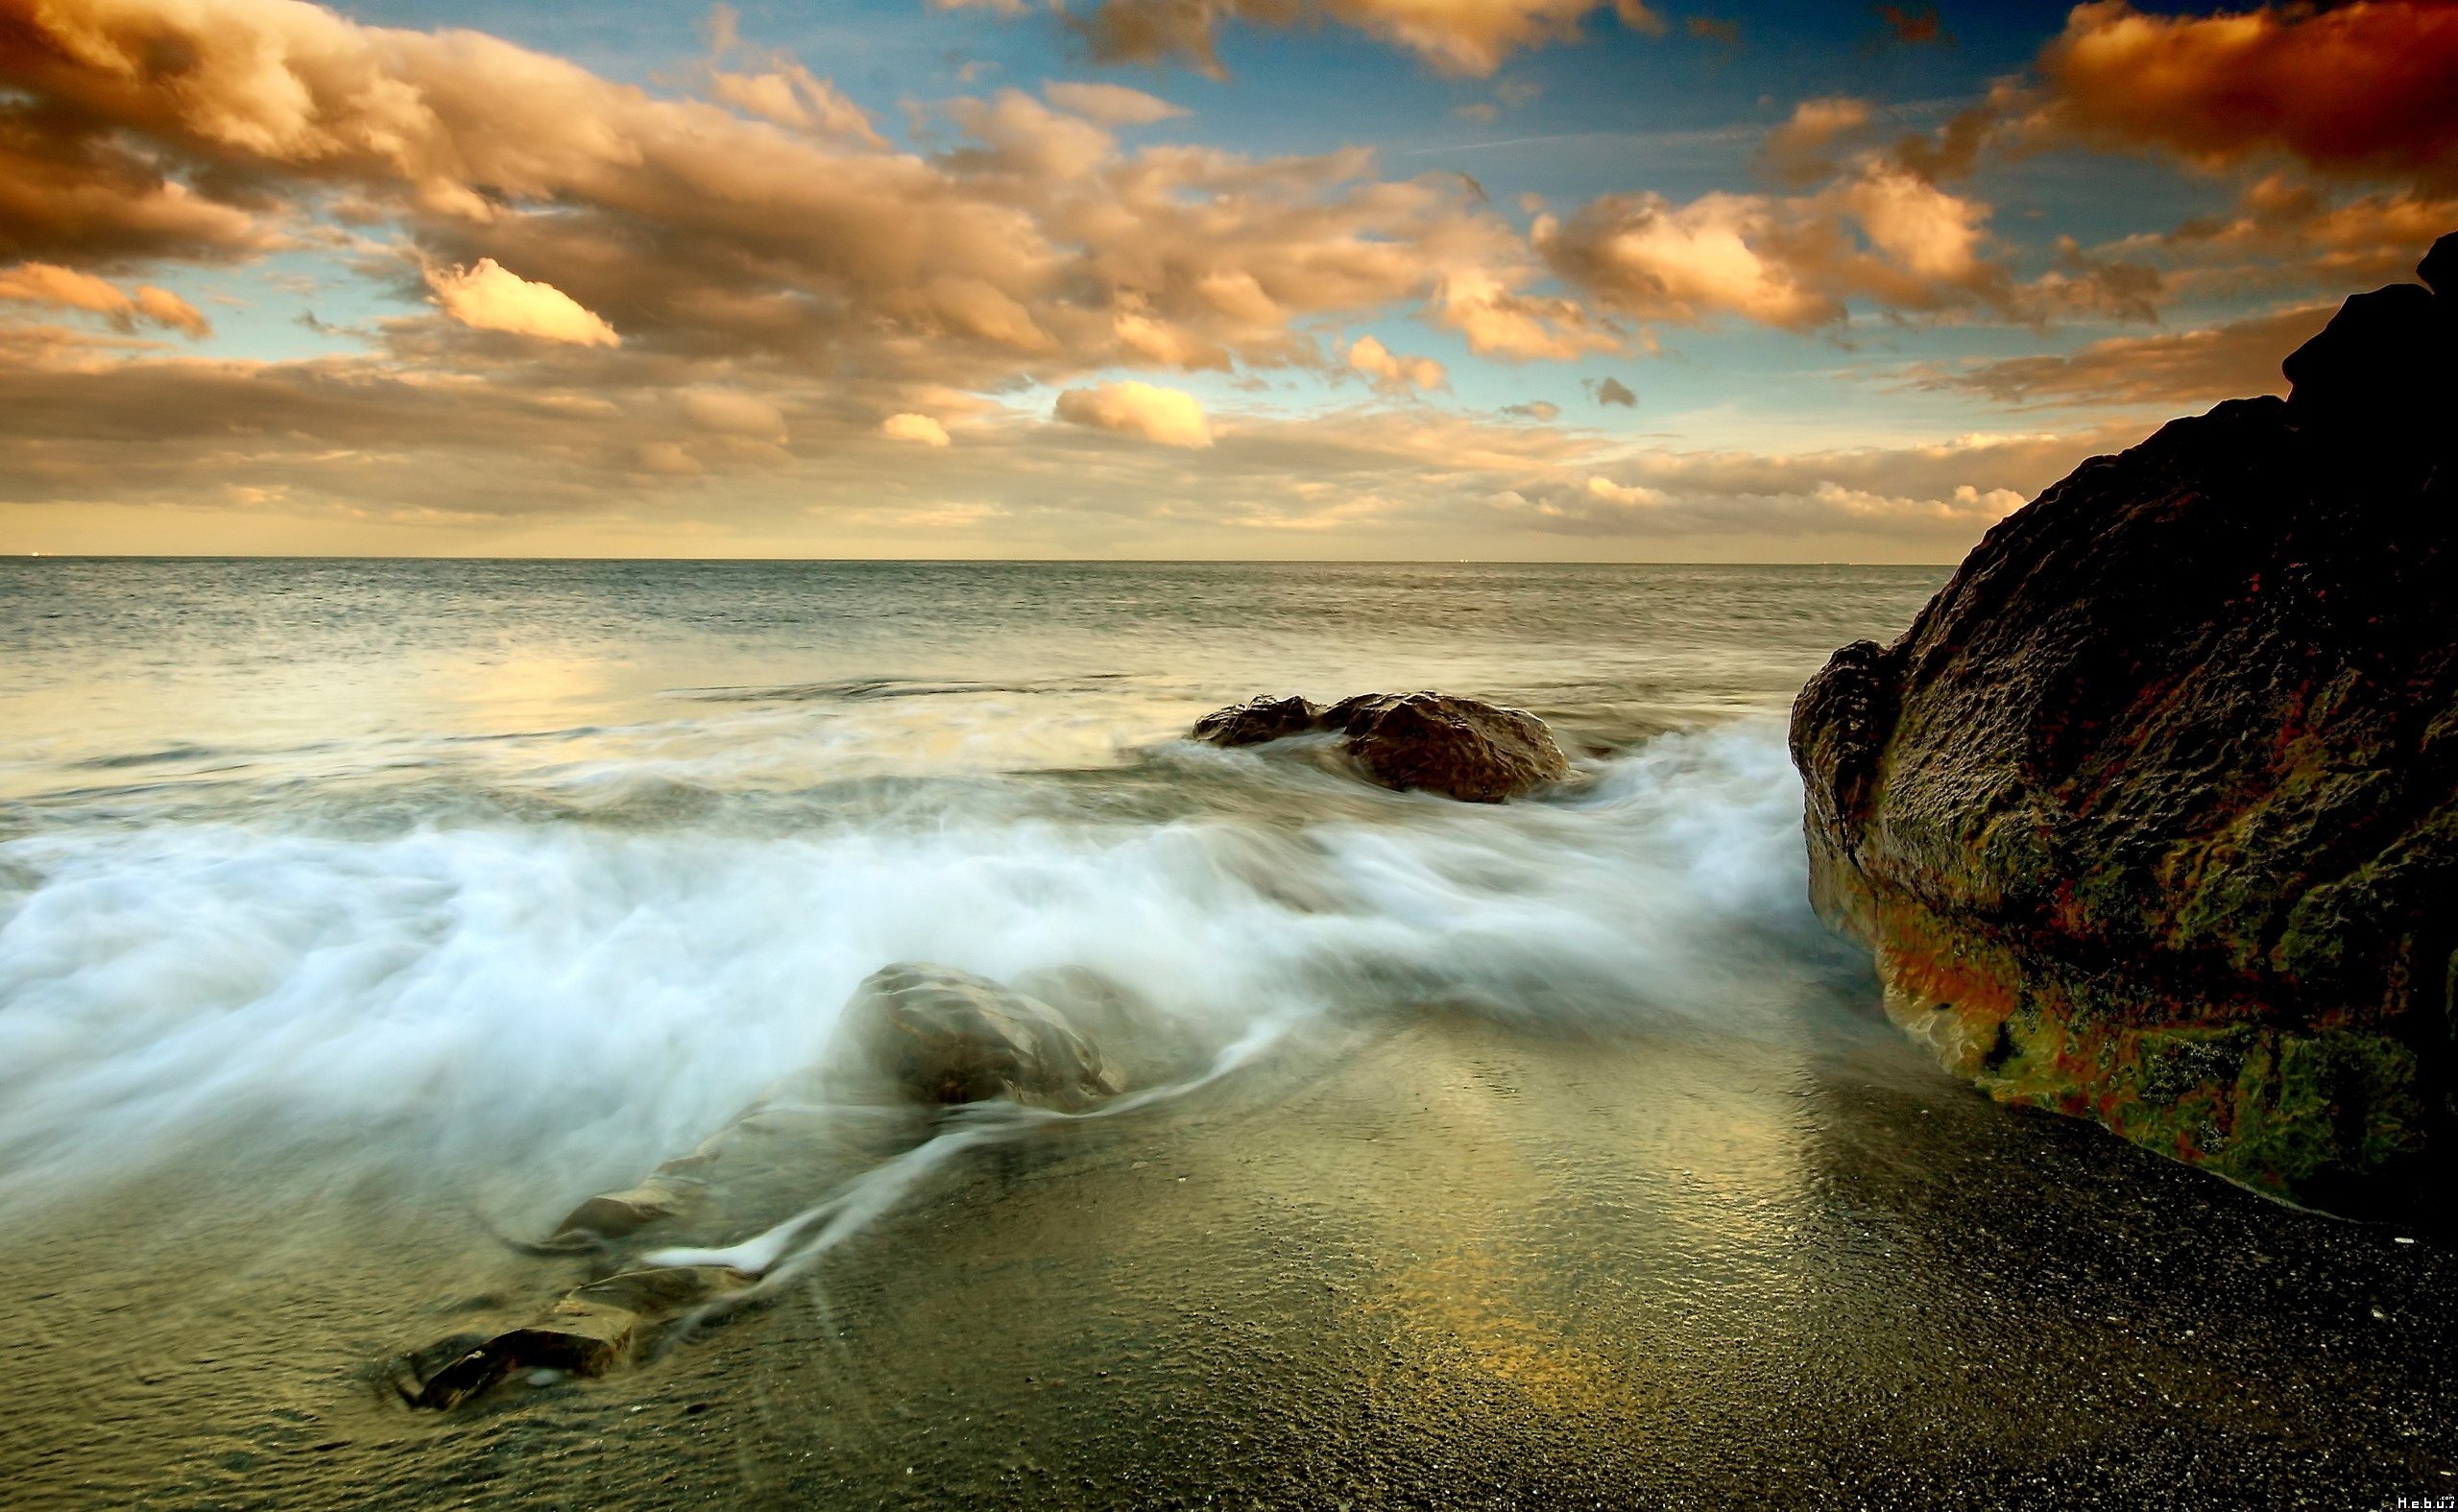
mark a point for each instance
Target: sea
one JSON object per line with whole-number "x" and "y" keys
{"x": 359, "y": 917}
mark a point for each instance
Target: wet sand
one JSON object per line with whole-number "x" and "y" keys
{"x": 1444, "y": 1261}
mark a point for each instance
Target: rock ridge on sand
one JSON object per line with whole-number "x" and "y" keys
{"x": 2151, "y": 816}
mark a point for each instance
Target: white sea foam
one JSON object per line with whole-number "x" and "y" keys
{"x": 570, "y": 1001}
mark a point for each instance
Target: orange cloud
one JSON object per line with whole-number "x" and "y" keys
{"x": 1788, "y": 262}
{"x": 492, "y": 297}
{"x": 1137, "y": 409}
{"x": 1498, "y": 321}
{"x": 1035, "y": 249}
{"x": 2165, "y": 370}
{"x": 1390, "y": 372}
{"x": 781, "y": 90}
{"x": 47, "y": 284}
{"x": 1471, "y": 37}
{"x": 1879, "y": 232}
{"x": 2368, "y": 89}
{"x": 1796, "y": 150}
{"x": 1913, "y": 27}
{"x": 1109, "y": 103}
{"x": 909, "y": 426}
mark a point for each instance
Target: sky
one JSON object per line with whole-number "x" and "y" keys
{"x": 1383, "y": 280}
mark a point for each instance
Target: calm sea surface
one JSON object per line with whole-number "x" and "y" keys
{"x": 356, "y": 919}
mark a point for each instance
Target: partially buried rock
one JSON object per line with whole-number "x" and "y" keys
{"x": 2151, "y": 816}
{"x": 946, "y": 1036}
{"x": 589, "y": 1331}
{"x": 1459, "y": 748}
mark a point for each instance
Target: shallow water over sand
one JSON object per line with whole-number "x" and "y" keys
{"x": 356, "y": 920}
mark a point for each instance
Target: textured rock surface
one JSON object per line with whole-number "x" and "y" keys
{"x": 2151, "y": 816}
{"x": 1457, "y": 747}
{"x": 948, "y": 1036}
{"x": 589, "y": 1330}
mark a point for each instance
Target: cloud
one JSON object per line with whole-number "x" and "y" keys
{"x": 1714, "y": 29}
{"x": 725, "y": 412}
{"x": 2367, "y": 90}
{"x": 1137, "y": 409}
{"x": 1498, "y": 321}
{"x": 1625, "y": 495}
{"x": 2287, "y": 231}
{"x": 1534, "y": 409}
{"x": 1947, "y": 489}
{"x": 1912, "y": 28}
{"x": 721, "y": 233}
{"x": 909, "y": 426}
{"x": 1109, "y": 103}
{"x": 1771, "y": 261}
{"x": 492, "y": 297}
{"x": 1796, "y": 153}
{"x": 349, "y": 454}
{"x": 47, "y": 284}
{"x": 791, "y": 95}
{"x": 2166, "y": 370}
{"x": 1390, "y": 372}
{"x": 1612, "y": 391}
{"x": 1878, "y": 232}
{"x": 2360, "y": 91}
{"x": 1471, "y": 37}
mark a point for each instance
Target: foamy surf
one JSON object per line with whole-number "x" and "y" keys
{"x": 567, "y": 1003}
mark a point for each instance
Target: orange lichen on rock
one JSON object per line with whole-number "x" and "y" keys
{"x": 2151, "y": 816}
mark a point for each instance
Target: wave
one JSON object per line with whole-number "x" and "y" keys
{"x": 571, "y": 1001}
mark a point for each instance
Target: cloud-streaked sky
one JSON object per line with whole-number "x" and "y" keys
{"x": 1249, "y": 278}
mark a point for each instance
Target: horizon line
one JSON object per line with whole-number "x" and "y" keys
{"x": 1010, "y": 561}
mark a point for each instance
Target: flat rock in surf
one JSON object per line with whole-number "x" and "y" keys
{"x": 1459, "y": 748}
{"x": 2151, "y": 816}
{"x": 945, "y": 1036}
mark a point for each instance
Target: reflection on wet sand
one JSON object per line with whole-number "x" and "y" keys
{"x": 1438, "y": 1258}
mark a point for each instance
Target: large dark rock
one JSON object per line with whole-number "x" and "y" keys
{"x": 2151, "y": 816}
{"x": 949, "y": 1037}
{"x": 1457, "y": 747}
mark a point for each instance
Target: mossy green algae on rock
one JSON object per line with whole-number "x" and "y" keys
{"x": 2151, "y": 816}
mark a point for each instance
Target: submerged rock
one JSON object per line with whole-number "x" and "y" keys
{"x": 946, "y": 1036}
{"x": 1461, "y": 747}
{"x": 2151, "y": 816}
{"x": 936, "y": 1035}
{"x": 612, "y": 1214}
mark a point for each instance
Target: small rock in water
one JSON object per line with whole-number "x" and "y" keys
{"x": 947, "y": 1036}
{"x": 1461, "y": 747}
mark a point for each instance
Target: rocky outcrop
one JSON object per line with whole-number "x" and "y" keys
{"x": 2151, "y": 816}
{"x": 1457, "y": 747}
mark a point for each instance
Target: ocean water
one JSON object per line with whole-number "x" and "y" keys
{"x": 357, "y": 919}
{"x": 555, "y": 864}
